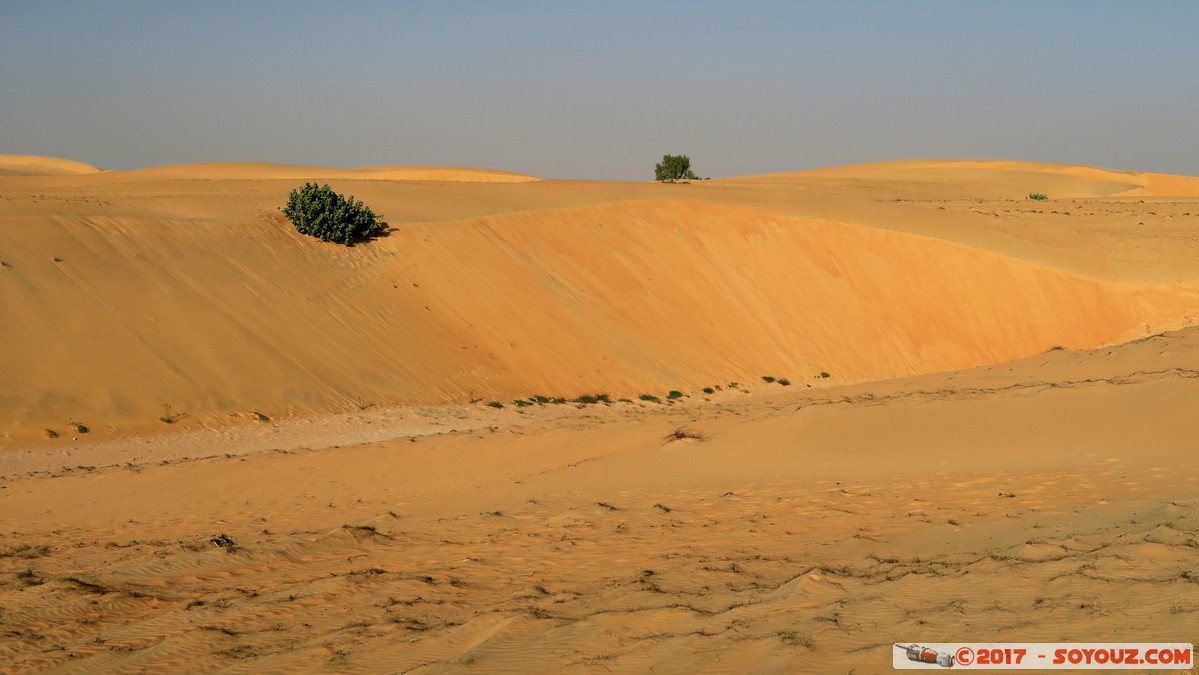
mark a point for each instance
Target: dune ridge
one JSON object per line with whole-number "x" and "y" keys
{"x": 627, "y": 297}
{"x": 269, "y": 171}
{"x": 991, "y": 179}
{"x": 34, "y": 165}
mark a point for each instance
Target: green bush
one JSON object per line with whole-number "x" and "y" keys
{"x": 320, "y": 212}
{"x": 587, "y": 399}
{"x": 674, "y": 393}
{"x": 1037, "y": 195}
{"x": 674, "y": 168}
{"x": 649, "y": 397}
{"x": 824, "y": 375}
{"x": 709, "y": 390}
{"x": 768, "y": 379}
{"x": 785, "y": 382}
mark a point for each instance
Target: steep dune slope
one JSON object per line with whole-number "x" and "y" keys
{"x": 113, "y": 319}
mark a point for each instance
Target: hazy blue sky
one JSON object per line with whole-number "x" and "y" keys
{"x": 601, "y": 89}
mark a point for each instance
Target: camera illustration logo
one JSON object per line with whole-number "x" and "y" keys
{"x": 926, "y": 655}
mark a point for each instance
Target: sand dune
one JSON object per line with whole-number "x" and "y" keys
{"x": 267, "y": 171}
{"x": 118, "y": 318}
{"x": 1001, "y": 450}
{"x": 33, "y": 165}
{"x": 988, "y": 179}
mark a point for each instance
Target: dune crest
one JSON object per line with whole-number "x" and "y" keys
{"x": 269, "y": 171}
{"x": 34, "y": 165}
{"x": 626, "y": 297}
{"x": 988, "y": 179}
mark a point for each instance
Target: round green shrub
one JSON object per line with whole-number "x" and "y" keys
{"x": 318, "y": 211}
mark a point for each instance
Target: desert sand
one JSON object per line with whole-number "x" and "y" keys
{"x": 273, "y": 454}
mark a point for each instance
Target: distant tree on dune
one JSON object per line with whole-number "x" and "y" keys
{"x": 674, "y": 168}
{"x": 318, "y": 211}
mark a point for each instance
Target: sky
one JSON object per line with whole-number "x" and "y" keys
{"x": 601, "y": 90}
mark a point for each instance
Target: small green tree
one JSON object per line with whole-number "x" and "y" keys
{"x": 674, "y": 168}
{"x": 320, "y": 212}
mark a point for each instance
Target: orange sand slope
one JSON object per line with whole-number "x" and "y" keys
{"x": 1047, "y": 499}
{"x": 127, "y": 292}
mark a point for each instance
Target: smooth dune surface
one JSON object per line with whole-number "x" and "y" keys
{"x": 992, "y": 179}
{"x": 909, "y": 405}
{"x": 33, "y": 165}
{"x": 268, "y": 171}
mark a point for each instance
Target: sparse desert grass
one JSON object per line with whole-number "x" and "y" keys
{"x": 169, "y": 416}
{"x": 588, "y": 399}
{"x": 792, "y": 637}
{"x": 50, "y": 433}
{"x": 258, "y": 417}
{"x": 27, "y": 551}
{"x": 495, "y": 404}
{"x": 521, "y": 403}
{"x": 784, "y": 381}
{"x": 650, "y": 397}
{"x": 362, "y": 528}
{"x": 683, "y": 433}
{"x": 1037, "y": 196}
{"x": 77, "y": 427}
{"x": 30, "y": 578}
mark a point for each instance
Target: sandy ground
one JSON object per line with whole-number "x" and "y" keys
{"x": 1003, "y": 452}
{"x": 799, "y": 533}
